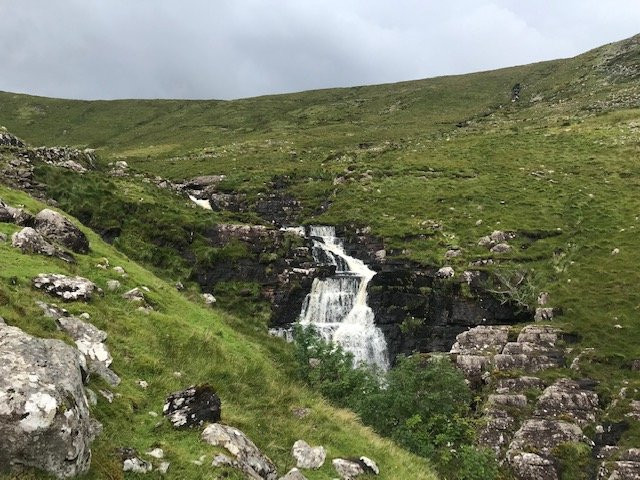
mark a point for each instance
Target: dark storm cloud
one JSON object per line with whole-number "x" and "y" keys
{"x": 229, "y": 49}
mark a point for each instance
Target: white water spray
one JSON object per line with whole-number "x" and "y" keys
{"x": 337, "y": 306}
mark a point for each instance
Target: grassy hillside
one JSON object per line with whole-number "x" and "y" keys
{"x": 428, "y": 165}
{"x": 251, "y": 375}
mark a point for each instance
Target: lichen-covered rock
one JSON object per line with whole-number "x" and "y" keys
{"x": 131, "y": 461}
{"x": 134, "y": 295}
{"x": 530, "y": 466}
{"x": 497, "y": 430}
{"x": 565, "y": 398}
{"x": 349, "y": 469}
{"x": 544, "y": 435}
{"x": 512, "y": 400}
{"x": 518, "y": 384}
{"x": 44, "y": 416}
{"x": 445, "y": 272}
{"x": 28, "y": 240}
{"x": 249, "y": 458}
{"x": 307, "y": 456}
{"x": 19, "y": 216}
{"x": 294, "y": 474}
{"x": 473, "y": 365}
{"x": 90, "y": 342}
{"x": 208, "y": 298}
{"x": 193, "y": 407}
{"x": 501, "y": 248}
{"x": 67, "y": 288}
{"x": 481, "y": 340}
{"x": 59, "y": 229}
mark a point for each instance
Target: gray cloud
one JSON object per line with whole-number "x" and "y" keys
{"x": 229, "y": 49}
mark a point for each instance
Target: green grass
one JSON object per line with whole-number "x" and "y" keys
{"x": 421, "y": 163}
{"x": 182, "y": 335}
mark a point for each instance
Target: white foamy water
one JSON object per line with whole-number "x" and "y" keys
{"x": 337, "y": 306}
{"x": 201, "y": 203}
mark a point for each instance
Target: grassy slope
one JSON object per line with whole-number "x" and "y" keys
{"x": 183, "y": 335}
{"x": 563, "y": 167}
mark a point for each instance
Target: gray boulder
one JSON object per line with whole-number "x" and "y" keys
{"x": 29, "y": 240}
{"x": 90, "y": 342}
{"x": 131, "y": 461}
{"x": 481, "y": 340}
{"x": 67, "y": 288}
{"x": 248, "y": 457}
{"x": 193, "y": 407}
{"x": 349, "y": 469}
{"x": 566, "y": 399}
{"x": 59, "y": 229}
{"x": 530, "y": 466}
{"x": 44, "y": 416}
{"x": 294, "y": 474}
{"x": 307, "y": 456}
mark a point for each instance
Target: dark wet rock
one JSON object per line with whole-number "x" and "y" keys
{"x": 193, "y": 407}
{"x": 58, "y": 228}
{"x": 230, "y": 202}
{"x": 566, "y": 399}
{"x": 45, "y": 421}
{"x": 67, "y": 288}
{"x": 247, "y": 455}
{"x": 9, "y": 140}
{"x": 278, "y": 209}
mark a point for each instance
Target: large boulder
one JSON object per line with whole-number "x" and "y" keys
{"x": 59, "y": 229}
{"x": 44, "y": 417}
{"x": 29, "y": 240}
{"x": 67, "y": 288}
{"x": 248, "y": 457}
{"x": 193, "y": 407}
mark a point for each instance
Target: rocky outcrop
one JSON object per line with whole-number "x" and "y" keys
{"x": 419, "y": 312}
{"x": 67, "y": 288}
{"x": 307, "y": 456}
{"x": 58, "y": 228}
{"x": 193, "y": 407}
{"x": 531, "y": 451}
{"x": 9, "y": 140}
{"x": 248, "y": 457}
{"x": 568, "y": 399}
{"x": 44, "y": 417}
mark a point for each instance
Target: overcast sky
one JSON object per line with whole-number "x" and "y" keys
{"x": 239, "y": 48}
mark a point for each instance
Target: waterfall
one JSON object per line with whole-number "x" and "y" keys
{"x": 337, "y": 306}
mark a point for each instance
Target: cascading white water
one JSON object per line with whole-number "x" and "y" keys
{"x": 337, "y": 306}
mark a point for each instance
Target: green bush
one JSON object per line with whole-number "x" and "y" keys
{"x": 422, "y": 404}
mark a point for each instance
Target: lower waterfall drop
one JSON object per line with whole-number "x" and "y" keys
{"x": 337, "y": 306}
